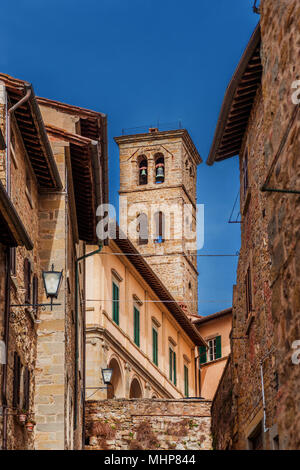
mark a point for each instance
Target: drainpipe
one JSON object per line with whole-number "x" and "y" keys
{"x": 6, "y": 340}
{"x": 10, "y": 112}
{"x": 76, "y": 345}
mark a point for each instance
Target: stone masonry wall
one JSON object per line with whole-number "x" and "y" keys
{"x": 280, "y": 25}
{"x": 141, "y": 424}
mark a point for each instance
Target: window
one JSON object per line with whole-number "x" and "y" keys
{"x": 13, "y": 261}
{"x": 115, "y": 306}
{"x": 155, "y": 346}
{"x": 214, "y": 349}
{"x": 159, "y": 169}
{"x": 172, "y": 366}
{"x": 245, "y": 173}
{"x": 143, "y": 171}
{"x": 35, "y": 293}
{"x": 27, "y": 280}
{"x": 136, "y": 326}
{"x": 26, "y": 388}
{"x": 143, "y": 229}
{"x": 203, "y": 354}
{"x": 186, "y": 381}
{"x": 255, "y": 440}
{"x": 159, "y": 220}
{"x": 16, "y": 381}
{"x": 248, "y": 291}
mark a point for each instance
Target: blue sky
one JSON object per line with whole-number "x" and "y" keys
{"x": 140, "y": 61}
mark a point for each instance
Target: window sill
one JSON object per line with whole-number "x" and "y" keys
{"x": 214, "y": 362}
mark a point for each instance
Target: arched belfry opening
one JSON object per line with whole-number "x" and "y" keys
{"x": 143, "y": 170}
{"x": 159, "y": 168}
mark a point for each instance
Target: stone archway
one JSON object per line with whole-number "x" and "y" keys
{"x": 116, "y": 389}
{"x": 135, "y": 389}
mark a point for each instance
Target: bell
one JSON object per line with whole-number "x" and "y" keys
{"x": 143, "y": 172}
{"x": 160, "y": 176}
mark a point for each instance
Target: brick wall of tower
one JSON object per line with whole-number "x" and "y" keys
{"x": 172, "y": 260}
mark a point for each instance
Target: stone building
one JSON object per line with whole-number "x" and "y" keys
{"x": 215, "y": 329}
{"x": 158, "y": 176}
{"x": 58, "y": 178}
{"x": 135, "y": 327}
{"x": 259, "y": 120}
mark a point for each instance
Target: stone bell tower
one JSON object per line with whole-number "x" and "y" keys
{"x": 158, "y": 176}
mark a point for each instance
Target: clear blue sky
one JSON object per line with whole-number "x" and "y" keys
{"x": 139, "y": 61}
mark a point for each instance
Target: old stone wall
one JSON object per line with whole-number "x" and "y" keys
{"x": 262, "y": 343}
{"x": 158, "y": 424}
{"x": 222, "y": 410}
{"x": 280, "y": 25}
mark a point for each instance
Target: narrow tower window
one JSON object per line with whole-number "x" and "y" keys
{"x": 143, "y": 229}
{"x": 159, "y": 220}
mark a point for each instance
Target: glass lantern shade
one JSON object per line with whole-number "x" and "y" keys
{"x": 107, "y": 375}
{"x": 52, "y": 281}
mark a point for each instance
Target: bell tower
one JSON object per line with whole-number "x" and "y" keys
{"x": 158, "y": 176}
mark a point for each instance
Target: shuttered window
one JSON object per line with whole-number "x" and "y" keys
{"x": 172, "y": 366}
{"x": 16, "y": 380}
{"x": 35, "y": 292}
{"x": 186, "y": 381}
{"x": 202, "y": 354}
{"x": 115, "y": 306}
{"x": 218, "y": 347}
{"x": 136, "y": 326}
{"x": 26, "y": 403}
{"x": 27, "y": 280}
{"x": 155, "y": 346}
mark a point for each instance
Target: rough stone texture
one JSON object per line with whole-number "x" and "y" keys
{"x": 148, "y": 424}
{"x": 280, "y": 24}
{"x": 270, "y": 245}
{"x": 173, "y": 261}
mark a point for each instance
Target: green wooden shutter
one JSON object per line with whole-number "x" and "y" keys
{"x": 218, "y": 347}
{"x": 115, "y": 303}
{"x": 155, "y": 346}
{"x": 174, "y": 368}
{"x": 170, "y": 364}
{"x": 136, "y": 319}
{"x": 203, "y": 354}
{"x": 186, "y": 381}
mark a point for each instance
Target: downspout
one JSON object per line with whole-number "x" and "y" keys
{"x": 76, "y": 344}
{"x": 6, "y": 340}
{"x": 9, "y": 114}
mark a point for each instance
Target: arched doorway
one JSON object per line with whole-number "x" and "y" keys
{"x": 115, "y": 390}
{"x": 135, "y": 389}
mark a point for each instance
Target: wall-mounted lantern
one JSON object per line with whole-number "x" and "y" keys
{"x": 52, "y": 282}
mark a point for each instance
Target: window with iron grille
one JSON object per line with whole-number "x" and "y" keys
{"x": 248, "y": 292}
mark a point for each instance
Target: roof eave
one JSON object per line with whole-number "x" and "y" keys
{"x": 229, "y": 96}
